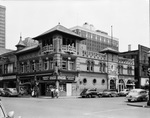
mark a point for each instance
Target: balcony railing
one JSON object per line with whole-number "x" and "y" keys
{"x": 64, "y": 48}
{"x": 48, "y": 48}
{"x": 68, "y": 48}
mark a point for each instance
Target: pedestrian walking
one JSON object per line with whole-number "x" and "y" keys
{"x": 52, "y": 92}
{"x": 57, "y": 92}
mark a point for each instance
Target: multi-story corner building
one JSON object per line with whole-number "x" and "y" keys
{"x": 2, "y": 26}
{"x": 141, "y": 65}
{"x": 59, "y": 60}
{"x": 96, "y": 40}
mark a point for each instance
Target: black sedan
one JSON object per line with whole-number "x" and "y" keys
{"x": 110, "y": 93}
{"x": 89, "y": 93}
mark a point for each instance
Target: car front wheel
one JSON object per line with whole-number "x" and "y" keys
{"x": 129, "y": 100}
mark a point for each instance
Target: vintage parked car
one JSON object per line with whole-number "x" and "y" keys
{"x": 123, "y": 92}
{"x": 89, "y": 93}
{"x": 10, "y": 92}
{"x": 110, "y": 93}
{"x": 137, "y": 95}
{"x": 1, "y": 91}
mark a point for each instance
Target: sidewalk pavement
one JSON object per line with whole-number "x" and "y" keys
{"x": 60, "y": 97}
{"x": 138, "y": 104}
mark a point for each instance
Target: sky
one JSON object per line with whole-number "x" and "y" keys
{"x": 129, "y": 18}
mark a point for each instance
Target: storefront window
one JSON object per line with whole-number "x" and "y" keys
{"x": 112, "y": 84}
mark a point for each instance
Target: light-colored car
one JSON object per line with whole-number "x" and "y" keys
{"x": 3, "y": 113}
{"x": 110, "y": 93}
{"x": 123, "y": 92}
{"x": 10, "y": 92}
{"x": 137, "y": 95}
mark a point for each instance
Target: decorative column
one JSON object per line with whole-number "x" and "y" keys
{"x": 57, "y": 41}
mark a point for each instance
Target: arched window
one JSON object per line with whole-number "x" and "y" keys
{"x": 112, "y": 84}
{"x": 100, "y": 67}
{"x": 88, "y": 65}
{"x": 92, "y": 66}
{"x": 104, "y": 67}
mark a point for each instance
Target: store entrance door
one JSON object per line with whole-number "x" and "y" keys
{"x": 42, "y": 89}
{"x": 69, "y": 89}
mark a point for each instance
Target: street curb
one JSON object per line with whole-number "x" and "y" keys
{"x": 136, "y": 105}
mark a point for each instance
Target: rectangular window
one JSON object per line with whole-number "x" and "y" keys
{"x": 71, "y": 65}
{"x": 51, "y": 64}
{"x": 5, "y": 69}
{"x": 64, "y": 64}
{"x": 25, "y": 67}
{"x": 46, "y": 65}
{"x": 1, "y": 69}
{"x": 37, "y": 66}
{"x": 22, "y": 68}
{"x": 10, "y": 68}
{"x": 32, "y": 67}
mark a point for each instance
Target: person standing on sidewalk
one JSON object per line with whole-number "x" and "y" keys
{"x": 57, "y": 92}
{"x": 52, "y": 92}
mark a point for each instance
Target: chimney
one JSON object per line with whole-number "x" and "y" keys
{"x": 129, "y": 47}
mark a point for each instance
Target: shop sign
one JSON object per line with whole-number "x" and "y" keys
{"x": 9, "y": 77}
{"x": 62, "y": 77}
{"x": 46, "y": 78}
{"x": 70, "y": 77}
{"x": 52, "y": 77}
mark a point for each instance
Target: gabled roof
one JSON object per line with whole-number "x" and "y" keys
{"x": 27, "y": 49}
{"x": 59, "y": 28}
{"x": 3, "y": 51}
{"x": 108, "y": 49}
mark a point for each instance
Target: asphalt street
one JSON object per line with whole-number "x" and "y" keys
{"x": 73, "y": 108}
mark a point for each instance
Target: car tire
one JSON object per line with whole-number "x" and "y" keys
{"x": 99, "y": 96}
{"x": 110, "y": 95}
{"x": 129, "y": 100}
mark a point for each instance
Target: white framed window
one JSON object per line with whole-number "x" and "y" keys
{"x": 64, "y": 64}
{"x": 46, "y": 65}
{"x": 51, "y": 64}
{"x": 71, "y": 65}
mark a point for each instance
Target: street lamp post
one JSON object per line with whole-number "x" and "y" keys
{"x": 148, "y": 102}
